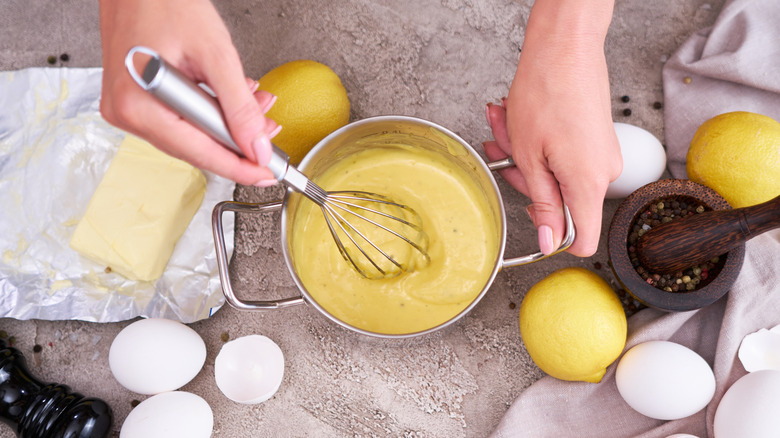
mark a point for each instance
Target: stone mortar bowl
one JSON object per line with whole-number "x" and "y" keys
{"x": 711, "y": 289}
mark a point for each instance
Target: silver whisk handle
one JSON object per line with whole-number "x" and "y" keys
{"x": 192, "y": 102}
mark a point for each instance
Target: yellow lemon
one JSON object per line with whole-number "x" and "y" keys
{"x": 737, "y": 154}
{"x": 311, "y": 103}
{"x": 573, "y": 325}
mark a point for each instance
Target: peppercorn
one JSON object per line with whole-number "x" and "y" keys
{"x": 627, "y": 112}
{"x": 51, "y": 59}
{"x": 224, "y": 336}
{"x": 663, "y": 211}
{"x": 37, "y": 348}
{"x": 625, "y": 99}
{"x": 657, "y": 105}
{"x": 64, "y": 57}
{"x": 512, "y": 305}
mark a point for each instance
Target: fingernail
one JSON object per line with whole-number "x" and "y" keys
{"x": 266, "y": 182}
{"x": 270, "y": 103}
{"x": 253, "y": 86}
{"x": 275, "y": 131}
{"x": 530, "y": 210}
{"x": 546, "y": 240}
{"x": 262, "y": 148}
{"x": 487, "y": 114}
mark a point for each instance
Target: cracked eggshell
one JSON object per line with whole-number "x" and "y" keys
{"x": 750, "y": 407}
{"x": 644, "y": 160}
{"x": 761, "y": 350}
{"x": 249, "y": 369}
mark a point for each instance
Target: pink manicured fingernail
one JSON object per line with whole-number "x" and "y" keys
{"x": 546, "y": 239}
{"x": 270, "y": 103}
{"x": 253, "y": 86}
{"x": 266, "y": 182}
{"x": 275, "y": 131}
{"x": 487, "y": 115}
{"x": 262, "y": 148}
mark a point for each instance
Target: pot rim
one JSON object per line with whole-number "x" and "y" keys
{"x": 483, "y": 167}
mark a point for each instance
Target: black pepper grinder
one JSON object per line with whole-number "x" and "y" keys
{"x": 46, "y": 410}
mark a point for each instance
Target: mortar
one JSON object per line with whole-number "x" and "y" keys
{"x": 620, "y": 228}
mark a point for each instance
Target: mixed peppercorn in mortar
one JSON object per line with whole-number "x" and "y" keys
{"x": 659, "y": 212}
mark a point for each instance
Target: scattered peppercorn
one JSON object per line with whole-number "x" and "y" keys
{"x": 225, "y": 336}
{"x": 597, "y": 265}
{"x": 37, "y": 348}
{"x": 625, "y": 99}
{"x": 627, "y": 112}
{"x": 658, "y": 105}
{"x": 64, "y": 57}
{"x": 51, "y": 59}
{"x": 687, "y": 80}
{"x": 512, "y": 305}
{"x": 135, "y": 403}
{"x": 108, "y": 270}
{"x": 11, "y": 340}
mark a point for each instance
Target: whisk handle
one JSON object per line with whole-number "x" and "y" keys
{"x": 171, "y": 87}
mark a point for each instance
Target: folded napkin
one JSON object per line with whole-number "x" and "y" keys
{"x": 734, "y": 65}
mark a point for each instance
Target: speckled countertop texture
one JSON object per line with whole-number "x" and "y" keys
{"x": 438, "y": 60}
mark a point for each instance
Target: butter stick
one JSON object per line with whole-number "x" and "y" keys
{"x": 142, "y": 206}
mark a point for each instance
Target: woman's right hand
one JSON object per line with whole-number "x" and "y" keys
{"x": 190, "y": 35}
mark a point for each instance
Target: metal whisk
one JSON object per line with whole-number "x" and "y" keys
{"x": 377, "y": 236}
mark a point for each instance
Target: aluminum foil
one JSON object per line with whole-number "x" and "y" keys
{"x": 54, "y": 149}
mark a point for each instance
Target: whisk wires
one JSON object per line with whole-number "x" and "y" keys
{"x": 357, "y": 243}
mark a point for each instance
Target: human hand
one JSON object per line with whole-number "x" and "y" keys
{"x": 557, "y": 126}
{"x": 190, "y": 35}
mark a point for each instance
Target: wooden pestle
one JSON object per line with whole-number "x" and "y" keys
{"x": 689, "y": 241}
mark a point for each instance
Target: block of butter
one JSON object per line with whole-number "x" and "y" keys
{"x": 142, "y": 206}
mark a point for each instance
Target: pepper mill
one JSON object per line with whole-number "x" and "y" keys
{"x": 46, "y": 410}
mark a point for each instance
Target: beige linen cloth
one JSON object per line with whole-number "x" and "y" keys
{"x": 733, "y": 66}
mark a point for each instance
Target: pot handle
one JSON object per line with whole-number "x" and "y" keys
{"x": 568, "y": 238}
{"x": 222, "y": 258}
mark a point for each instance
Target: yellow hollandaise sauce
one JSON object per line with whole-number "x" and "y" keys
{"x": 463, "y": 242}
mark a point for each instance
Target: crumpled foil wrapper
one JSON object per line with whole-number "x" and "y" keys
{"x": 54, "y": 149}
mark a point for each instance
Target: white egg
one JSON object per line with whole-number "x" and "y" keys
{"x": 644, "y": 160}
{"x": 664, "y": 380}
{"x": 156, "y": 355}
{"x": 751, "y": 407}
{"x": 249, "y": 369}
{"x": 174, "y": 414}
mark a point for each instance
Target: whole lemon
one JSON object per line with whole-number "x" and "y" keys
{"x": 311, "y": 103}
{"x": 573, "y": 325}
{"x": 737, "y": 154}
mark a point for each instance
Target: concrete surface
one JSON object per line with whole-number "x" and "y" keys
{"x": 438, "y": 60}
